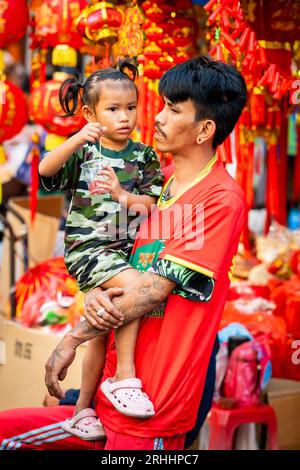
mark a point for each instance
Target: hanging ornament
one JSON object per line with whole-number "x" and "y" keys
{"x": 34, "y": 159}
{"x": 99, "y": 22}
{"x": 165, "y": 62}
{"x": 53, "y": 23}
{"x": 152, "y": 51}
{"x": 45, "y": 109}
{"x": 154, "y": 12}
{"x": 14, "y": 19}
{"x": 13, "y": 113}
{"x": 152, "y": 70}
{"x": 130, "y": 35}
{"x": 154, "y": 32}
{"x": 167, "y": 44}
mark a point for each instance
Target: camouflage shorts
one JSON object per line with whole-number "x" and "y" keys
{"x": 96, "y": 267}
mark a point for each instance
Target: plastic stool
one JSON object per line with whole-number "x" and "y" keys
{"x": 224, "y": 422}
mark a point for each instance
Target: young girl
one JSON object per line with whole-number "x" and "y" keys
{"x": 98, "y": 241}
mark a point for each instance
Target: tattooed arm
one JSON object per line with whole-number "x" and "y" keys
{"x": 139, "y": 298}
{"x": 122, "y": 306}
{"x": 64, "y": 354}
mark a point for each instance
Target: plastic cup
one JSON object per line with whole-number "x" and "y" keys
{"x": 90, "y": 174}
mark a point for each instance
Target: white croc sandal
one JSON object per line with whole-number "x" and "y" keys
{"x": 128, "y": 398}
{"x": 85, "y": 425}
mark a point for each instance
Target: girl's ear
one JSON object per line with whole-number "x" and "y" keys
{"x": 88, "y": 114}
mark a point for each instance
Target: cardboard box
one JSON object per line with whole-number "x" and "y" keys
{"x": 284, "y": 396}
{"x": 41, "y": 238}
{"x": 25, "y": 353}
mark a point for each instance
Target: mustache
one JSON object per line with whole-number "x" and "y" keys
{"x": 157, "y": 127}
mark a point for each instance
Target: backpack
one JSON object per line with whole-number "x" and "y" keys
{"x": 248, "y": 370}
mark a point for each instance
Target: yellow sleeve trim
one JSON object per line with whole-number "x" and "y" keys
{"x": 189, "y": 265}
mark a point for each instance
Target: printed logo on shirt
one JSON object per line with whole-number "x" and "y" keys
{"x": 145, "y": 259}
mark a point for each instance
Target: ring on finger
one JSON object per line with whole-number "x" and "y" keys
{"x": 100, "y": 312}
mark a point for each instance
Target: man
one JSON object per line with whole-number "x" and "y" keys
{"x": 187, "y": 248}
{"x": 188, "y": 262}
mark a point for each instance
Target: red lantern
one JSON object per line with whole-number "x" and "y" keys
{"x": 181, "y": 57}
{"x": 167, "y": 44}
{"x": 152, "y": 70}
{"x": 154, "y": 32}
{"x": 13, "y": 111}
{"x": 99, "y": 22}
{"x": 165, "y": 62}
{"x": 153, "y": 12}
{"x": 152, "y": 51}
{"x": 14, "y": 18}
{"x": 180, "y": 39}
{"x": 54, "y": 22}
{"x": 169, "y": 27}
{"x": 45, "y": 109}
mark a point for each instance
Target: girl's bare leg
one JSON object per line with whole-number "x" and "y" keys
{"x": 126, "y": 335}
{"x": 92, "y": 368}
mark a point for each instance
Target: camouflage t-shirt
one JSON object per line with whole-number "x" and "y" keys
{"x": 95, "y": 220}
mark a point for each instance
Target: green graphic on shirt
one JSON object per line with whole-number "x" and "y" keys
{"x": 144, "y": 256}
{"x": 190, "y": 284}
{"x": 142, "y": 259}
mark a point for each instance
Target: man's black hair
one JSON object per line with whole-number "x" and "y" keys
{"x": 217, "y": 90}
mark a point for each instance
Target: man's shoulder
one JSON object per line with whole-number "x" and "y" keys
{"x": 221, "y": 185}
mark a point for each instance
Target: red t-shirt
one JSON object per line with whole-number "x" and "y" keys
{"x": 173, "y": 349}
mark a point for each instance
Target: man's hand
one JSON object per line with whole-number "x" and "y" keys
{"x": 57, "y": 367}
{"x": 100, "y": 312}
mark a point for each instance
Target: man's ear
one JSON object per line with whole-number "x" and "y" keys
{"x": 207, "y": 130}
{"x": 88, "y": 114}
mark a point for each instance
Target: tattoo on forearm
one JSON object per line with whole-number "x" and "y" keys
{"x": 157, "y": 284}
{"x": 56, "y": 354}
{"x": 86, "y": 328}
{"x": 136, "y": 302}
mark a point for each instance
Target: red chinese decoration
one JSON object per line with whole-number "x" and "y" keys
{"x": 99, "y": 22}
{"x": 131, "y": 36}
{"x": 273, "y": 21}
{"x": 14, "y": 18}
{"x": 45, "y": 109}
{"x": 253, "y": 36}
{"x": 54, "y": 22}
{"x": 13, "y": 112}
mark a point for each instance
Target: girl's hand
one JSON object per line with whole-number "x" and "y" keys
{"x": 91, "y": 132}
{"x": 110, "y": 185}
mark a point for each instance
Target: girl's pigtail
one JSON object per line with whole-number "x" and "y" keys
{"x": 127, "y": 67}
{"x": 69, "y": 93}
